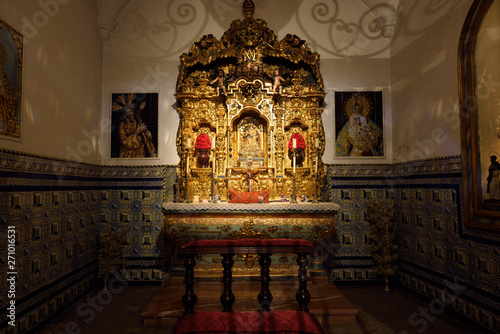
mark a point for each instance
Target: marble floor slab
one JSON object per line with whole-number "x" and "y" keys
{"x": 327, "y": 303}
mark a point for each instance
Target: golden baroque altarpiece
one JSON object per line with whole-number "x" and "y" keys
{"x": 249, "y": 92}
{"x": 250, "y": 98}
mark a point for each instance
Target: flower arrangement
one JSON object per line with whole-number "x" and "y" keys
{"x": 300, "y": 142}
{"x": 110, "y": 252}
{"x": 203, "y": 142}
{"x": 383, "y": 234}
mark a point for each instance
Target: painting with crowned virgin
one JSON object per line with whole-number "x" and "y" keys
{"x": 250, "y": 138}
{"x": 359, "y": 124}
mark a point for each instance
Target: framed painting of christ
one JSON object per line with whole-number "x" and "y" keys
{"x": 11, "y": 65}
{"x": 134, "y": 125}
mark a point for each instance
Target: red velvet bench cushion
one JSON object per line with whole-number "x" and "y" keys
{"x": 249, "y": 243}
{"x": 281, "y": 321}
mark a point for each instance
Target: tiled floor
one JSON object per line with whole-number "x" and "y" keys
{"x": 380, "y": 312}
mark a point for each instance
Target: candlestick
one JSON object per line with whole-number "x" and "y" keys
{"x": 317, "y": 163}
{"x": 186, "y": 198}
{"x": 187, "y": 156}
{"x": 213, "y": 162}
{"x": 272, "y": 150}
{"x": 213, "y": 172}
{"x": 294, "y": 196}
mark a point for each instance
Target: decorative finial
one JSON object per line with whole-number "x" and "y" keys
{"x": 249, "y": 8}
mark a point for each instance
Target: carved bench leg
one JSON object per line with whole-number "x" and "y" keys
{"x": 227, "y": 296}
{"x": 303, "y": 296}
{"x": 265, "y": 296}
{"x": 189, "y": 298}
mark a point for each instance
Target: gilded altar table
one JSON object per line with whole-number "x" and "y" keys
{"x": 314, "y": 222}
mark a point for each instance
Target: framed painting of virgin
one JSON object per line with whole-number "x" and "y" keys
{"x": 359, "y": 124}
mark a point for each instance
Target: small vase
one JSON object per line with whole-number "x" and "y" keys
{"x": 299, "y": 157}
{"x": 203, "y": 157}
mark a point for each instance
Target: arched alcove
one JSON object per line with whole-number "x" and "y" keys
{"x": 479, "y": 70}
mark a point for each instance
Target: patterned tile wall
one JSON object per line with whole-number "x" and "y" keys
{"x": 58, "y": 208}
{"x": 131, "y": 199}
{"x": 54, "y": 208}
{"x": 439, "y": 257}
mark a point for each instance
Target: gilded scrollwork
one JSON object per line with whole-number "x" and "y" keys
{"x": 222, "y": 82}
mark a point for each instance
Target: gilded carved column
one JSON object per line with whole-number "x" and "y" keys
{"x": 278, "y": 140}
{"x": 220, "y": 140}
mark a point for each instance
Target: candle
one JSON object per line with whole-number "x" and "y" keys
{"x": 294, "y": 143}
{"x": 317, "y": 162}
{"x": 187, "y": 156}
{"x": 317, "y": 155}
{"x": 213, "y": 164}
{"x": 213, "y": 156}
{"x": 272, "y": 148}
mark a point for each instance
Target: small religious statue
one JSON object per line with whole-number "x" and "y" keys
{"x": 296, "y": 42}
{"x": 220, "y": 80}
{"x": 205, "y": 43}
{"x": 277, "y": 80}
{"x": 250, "y": 69}
{"x": 493, "y": 187}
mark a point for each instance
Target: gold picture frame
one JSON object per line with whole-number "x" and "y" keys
{"x": 11, "y": 67}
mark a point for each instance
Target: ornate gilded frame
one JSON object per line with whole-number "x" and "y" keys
{"x": 11, "y": 68}
{"x": 478, "y": 210}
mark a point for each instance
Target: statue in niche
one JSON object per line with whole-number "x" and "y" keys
{"x": 493, "y": 187}
{"x": 250, "y": 138}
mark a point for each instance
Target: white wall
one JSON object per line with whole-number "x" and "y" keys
{"x": 67, "y": 92}
{"x": 424, "y": 79}
{"x": 143, "y": 55}
{"x": 62, "y": 77}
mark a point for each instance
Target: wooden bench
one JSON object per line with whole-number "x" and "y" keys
{"x": 288, "y": 321}
{"x": 227, "y": 249}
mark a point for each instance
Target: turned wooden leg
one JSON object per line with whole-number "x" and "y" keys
{"x": 189, "y": 298}
{"x": 227, "y": 296}
{"x": 265, "y": 296}
{"x": 303, "y": 296}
